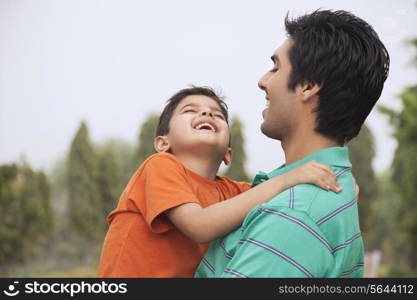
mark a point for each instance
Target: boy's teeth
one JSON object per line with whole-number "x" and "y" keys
{"x": 267, "y": 103}
{"x": 199, "y": 126}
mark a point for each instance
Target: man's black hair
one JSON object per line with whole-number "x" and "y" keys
{"x": 343, "y": 54}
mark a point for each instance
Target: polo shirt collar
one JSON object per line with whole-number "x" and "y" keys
{"x": 334, "y": 156}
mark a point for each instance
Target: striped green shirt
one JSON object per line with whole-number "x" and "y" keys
{"x": 303, "y": 232}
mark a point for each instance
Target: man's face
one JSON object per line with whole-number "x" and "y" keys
{"x": 198, "y": 122}
{"x": 280, "y": 115}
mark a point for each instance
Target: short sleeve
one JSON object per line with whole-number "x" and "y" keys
{"x": 231, "y": 187}
{"x": 280, "y": 242}
{"x": 243, "y": 186}
{"x": 165, "y": 185}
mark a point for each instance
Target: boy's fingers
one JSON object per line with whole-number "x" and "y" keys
{"x": 323, "y": 166}
{"x": 334, "y": 185}
{"x": 325, "y": 182}
{"x": 325, "y": 177}
{"x": 337, "y": 189}
{"x": 324, "y": 185}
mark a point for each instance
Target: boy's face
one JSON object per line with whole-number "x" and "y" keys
{"x": 197, "y": 125}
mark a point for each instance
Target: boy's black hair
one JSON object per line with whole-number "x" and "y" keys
{"x": 172, "y": 103}
{"x": 343, "y": 54}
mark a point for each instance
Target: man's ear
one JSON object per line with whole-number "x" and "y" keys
{"x": 308, "y": 90}
{"x": 161, "y": 143}
{"x": 228, "y": 156}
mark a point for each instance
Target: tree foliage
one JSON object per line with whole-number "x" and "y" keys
{"x": 404, "y": 170}
{"x": 85, "y": 203}
{"x": 362, "y": 152}
{"x": 25, "y": 215}
{"x": 145, "y": 141}
{"x": 122, "y": 153}
{"x": 108, "y": 180}
{"x": 236, "y": 170}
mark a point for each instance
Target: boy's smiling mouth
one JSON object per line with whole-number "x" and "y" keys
{"x": 205, "y": 125}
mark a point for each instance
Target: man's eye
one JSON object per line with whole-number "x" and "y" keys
{"x": 189, "y": 110}
{"x": 273, "y": 70}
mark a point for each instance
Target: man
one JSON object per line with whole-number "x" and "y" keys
{"x": 326, "y": 78}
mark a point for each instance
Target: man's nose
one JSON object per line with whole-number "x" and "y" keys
{"x": 262, "y": 82}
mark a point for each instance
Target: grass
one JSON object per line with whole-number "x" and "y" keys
{"x": 73, "y": 272}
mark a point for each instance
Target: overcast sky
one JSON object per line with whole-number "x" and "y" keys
{"x": 113, "y": 62}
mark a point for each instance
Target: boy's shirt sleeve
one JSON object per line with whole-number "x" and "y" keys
{"x": 235, "y": 187}
{"x": 280, "y": 242}
{"x": 244, "y": 186}
{"x": 164, "y": 185}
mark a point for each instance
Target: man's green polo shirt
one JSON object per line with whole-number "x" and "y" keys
{"x": 303, "y": 232}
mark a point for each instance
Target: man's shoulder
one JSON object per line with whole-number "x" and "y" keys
{"x": 315, "y": 201}
{"x": 333, "y": 213}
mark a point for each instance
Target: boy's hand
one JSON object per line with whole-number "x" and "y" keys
{"x": 316, "y": 173}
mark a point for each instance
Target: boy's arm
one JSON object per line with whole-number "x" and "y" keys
{"x": 206, "y": 224}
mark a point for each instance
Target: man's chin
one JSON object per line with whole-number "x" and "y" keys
{"x": 264, "y": 129}
{"x": 264, "y": 113}
{"x": 269, "y": 132}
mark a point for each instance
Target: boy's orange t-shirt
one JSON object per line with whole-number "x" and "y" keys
{"x": 141, "y": 240}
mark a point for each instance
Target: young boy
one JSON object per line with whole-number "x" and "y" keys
{"x": 175, "y": 204}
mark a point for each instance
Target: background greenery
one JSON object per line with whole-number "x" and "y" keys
{"x": 53, "y": 225}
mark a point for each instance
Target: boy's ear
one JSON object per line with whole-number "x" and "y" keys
{"x": 161, "y": 143}
{"x": 228, "y": 156}
{"x": 308, "y": 90}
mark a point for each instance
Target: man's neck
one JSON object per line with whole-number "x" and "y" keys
{"x": 204, "y": 166}
{"x": 300, "y": 146}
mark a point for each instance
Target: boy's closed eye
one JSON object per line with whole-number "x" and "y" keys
{"x": 220, "y": 116}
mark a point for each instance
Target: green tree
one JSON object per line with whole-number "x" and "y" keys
{"x": 236, "y": 170}
{"x": 11, "y": 248}
{"x": 145, "y": 141}
{"x": 37, "y": 218}
{"x": 58, "y": 178}
{"x": 85, "y": 204}
{"x": 122, "y": 152}
{"x": 26, "y": 215}
{"x": 362, "y": 152}
{"x": 108, "y": 180}
{"x": 388, "y": 231}
{"x": 404, "y": 171}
